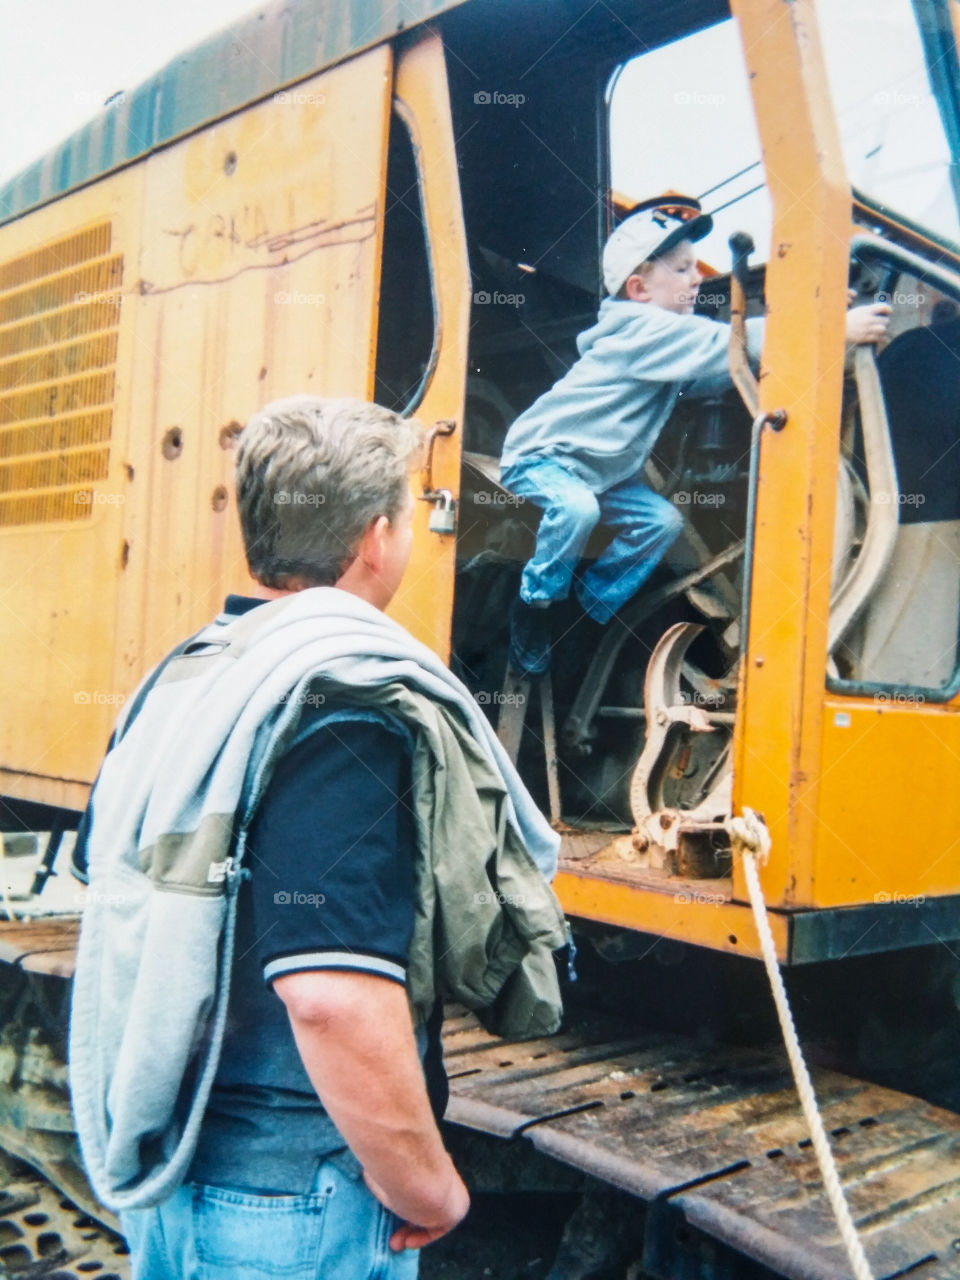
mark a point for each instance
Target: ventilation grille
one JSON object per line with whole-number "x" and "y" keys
{"x": 59, "y": 319}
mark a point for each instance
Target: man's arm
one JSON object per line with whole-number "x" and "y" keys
{"x": 355, "y": 1036}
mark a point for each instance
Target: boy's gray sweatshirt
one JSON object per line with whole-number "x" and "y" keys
{"x": 602, "y": 419}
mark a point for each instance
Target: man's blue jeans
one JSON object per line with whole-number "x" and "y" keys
{"x": 338, "y": 1231}
{"x": 644, "y": 525}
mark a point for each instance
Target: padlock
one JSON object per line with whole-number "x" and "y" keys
{"x": 443, "y": 517}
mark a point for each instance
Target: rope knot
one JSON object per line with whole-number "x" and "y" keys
{"x": 749, "y": 834}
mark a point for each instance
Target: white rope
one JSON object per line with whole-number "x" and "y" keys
{"x": 751, "y": 839}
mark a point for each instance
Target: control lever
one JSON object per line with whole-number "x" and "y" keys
{"x": 742, "y": 376}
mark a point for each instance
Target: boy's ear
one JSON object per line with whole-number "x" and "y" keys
{"x": 634, "y": 289}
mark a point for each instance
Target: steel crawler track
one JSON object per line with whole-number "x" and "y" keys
{"x": 42, "y": 1234}
{"x": 711, "y": 1139}
{"x": 714, "y": 1142}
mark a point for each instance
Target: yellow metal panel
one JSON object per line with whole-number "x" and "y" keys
{"x": 889, "y": 829}
{"x": 250, "y": 265}
{"x": 777, "y": 741}
{"x": 724, "y": 926}
{"x": 258, "y": 273}
{"x": 68, "y": 338}
{"x": 425, "y": 601}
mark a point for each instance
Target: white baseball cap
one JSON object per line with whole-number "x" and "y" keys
{"x": 643, "y": 236}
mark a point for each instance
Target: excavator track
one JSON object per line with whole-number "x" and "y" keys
{"x": 713, "y": 1142}
{"x": 43, "y": 1234}
{"x": 710, "y": 1139}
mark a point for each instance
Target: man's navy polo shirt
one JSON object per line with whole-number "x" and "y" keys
{"x": 331, "y": 854}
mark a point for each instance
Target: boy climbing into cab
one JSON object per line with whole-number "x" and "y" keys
{"x": 579, "y": 451}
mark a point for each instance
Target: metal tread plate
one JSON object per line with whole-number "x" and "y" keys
{"x": 717, "y": 1133}
{"x": 44, "y": 1234}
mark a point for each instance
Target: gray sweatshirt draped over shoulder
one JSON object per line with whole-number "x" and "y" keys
{"x": 169, "y": 816}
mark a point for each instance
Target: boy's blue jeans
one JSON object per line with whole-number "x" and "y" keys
{"x": 338, "y": 1231}
{"x": 644, "y": 525}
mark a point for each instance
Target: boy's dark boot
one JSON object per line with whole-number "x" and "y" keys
{"x": 530, "y": 627}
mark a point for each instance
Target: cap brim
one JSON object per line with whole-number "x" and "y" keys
{"x": 693, "y": 230}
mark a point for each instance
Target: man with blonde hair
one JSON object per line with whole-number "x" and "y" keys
{"x": 255, "y": 1056}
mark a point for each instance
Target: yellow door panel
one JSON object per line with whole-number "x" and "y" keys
{"x": 424, "y": 603}
{"x": 777, "y": 736}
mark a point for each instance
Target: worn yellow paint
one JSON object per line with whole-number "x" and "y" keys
{"x": 425, "y": 601}
{"x": 777, "y": 740}
{"x": 58, "y": 581}
{"x": 259, "y": 267}
{"x": 252, "y": 256}
{"x": 887, "y": 828}
{"x": 724, "y": 926}
{"x": 253, "y": 252}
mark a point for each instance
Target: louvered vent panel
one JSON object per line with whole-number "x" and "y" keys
{"x": 59, "y": 320}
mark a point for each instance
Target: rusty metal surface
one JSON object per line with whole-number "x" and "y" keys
{"x": 44, "y": 1234}
{"x": 40, "y": 946}
{"x": 714, "y": 1137}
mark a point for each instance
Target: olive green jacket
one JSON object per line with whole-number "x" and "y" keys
{"x": 487, "y": 921}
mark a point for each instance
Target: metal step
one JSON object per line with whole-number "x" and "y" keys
{"x": 713, "y": 1140}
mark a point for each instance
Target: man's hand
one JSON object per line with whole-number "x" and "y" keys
{"x": 868, "y": 324}
{"x": 356, "y": 1039}
{"x": 417, "y": 1236}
